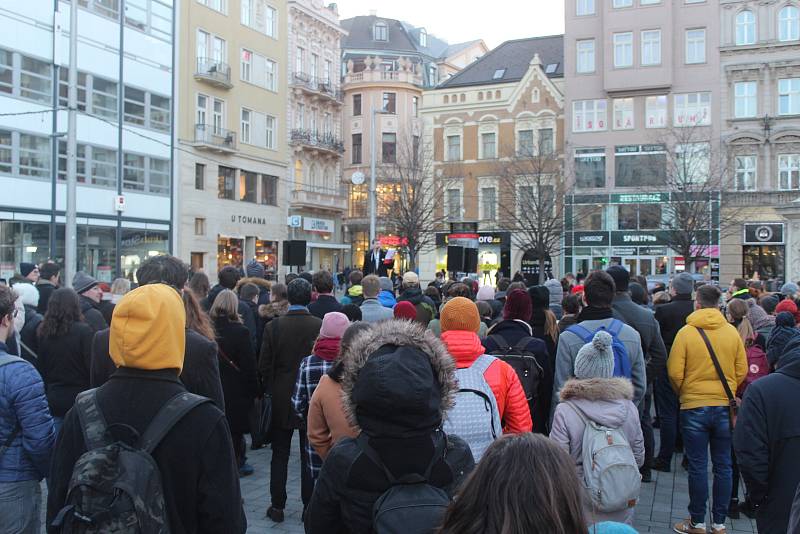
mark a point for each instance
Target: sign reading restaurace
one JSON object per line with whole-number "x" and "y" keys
{"x": 639, "y": 198}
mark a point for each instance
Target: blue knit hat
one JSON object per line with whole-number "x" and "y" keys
{"x": 254, "y": 269}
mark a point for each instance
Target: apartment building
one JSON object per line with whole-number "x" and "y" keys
{"x": 124, "y": 133}
{"x": 387, "y": 65}
{"x": 318, "y": 200}
{"x": 506, "y": 106}
{"x": 760, "y": 78}
{"x": 232, "y": 140}
{"x": 642, "y": 91}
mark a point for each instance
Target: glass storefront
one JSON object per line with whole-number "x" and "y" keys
{"x": 230, "y": 251}
{"x": 23, "y": 241}
{"x": 138, "y": 245}
{"x": 763, "y": 262}
{"x": 267, "y": 254}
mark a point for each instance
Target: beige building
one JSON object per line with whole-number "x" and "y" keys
{"x": 232, "y": 140}
{"x": 496, "y": 113}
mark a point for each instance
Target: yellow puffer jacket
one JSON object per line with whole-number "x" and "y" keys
{"x": 690, "y": 368}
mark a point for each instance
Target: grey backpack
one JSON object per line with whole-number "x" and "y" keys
{"x": 475, "y": 417}
{"x": 116, "y": 487}
{"x": 610, "y": 473}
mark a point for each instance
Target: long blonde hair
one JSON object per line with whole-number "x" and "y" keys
{"x": 551, "y": 325}
{"x": 226, "y": 305}
{"x": 737, "y": 311}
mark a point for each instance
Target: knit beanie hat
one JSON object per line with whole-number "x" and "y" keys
{"x": 786, "y": 305}
{"x": 621, "y": 277}
{"x": 556, "y": 291}
{"x": 785, "y": 319}
{"x": 485, "y": 293}
{"x": 254, "y": 269}
{"x": 386, "y": 284}
{"x": 540, "y": 297}
{"x": 596, "y": 358}
{"x": 789, "y": 289}
{"x": 333, "y": 325}
{"x": 405, "y": 310}
{"x": 518, "y": 306}
{"x": 26, "y": 268}
{"x": 769, "y": 303}
{"x": 410, "y": 278}
{"x": 460, "y": 313}
{"x": 683, "y": 284}
{"x": 82, "y": 282}
{"x": 27, "y": 293}
{"x": 757, "y": 316}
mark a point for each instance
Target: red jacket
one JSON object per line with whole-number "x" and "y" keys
{"x": 465, "y": 347}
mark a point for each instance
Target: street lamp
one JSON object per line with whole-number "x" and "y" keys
{"x": 373, "y": 194}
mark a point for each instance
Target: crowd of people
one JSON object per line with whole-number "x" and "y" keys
{"x": 449, "y": 408}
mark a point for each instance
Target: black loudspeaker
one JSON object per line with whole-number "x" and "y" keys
{"x": 294, "y": 253}
{"x": 470, "y": 260}
{"x": 455, "y": 259}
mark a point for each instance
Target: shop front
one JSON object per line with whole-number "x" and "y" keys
{"x": 763, "y": 251}
{"x": 494, "y": 254}
{"x": 238, "y": 251}
{"x": 324, "y": 247}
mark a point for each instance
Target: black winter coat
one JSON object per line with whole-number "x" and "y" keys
{"x": 64, "y": 365}
{"x": 45, "y": 291}
{"x": 324, "y": 304}
{"x": 200, "y": 372}
{"x": 239, "y": 384}
{"x": 106, "y": 308}
{"x": 92, "y": 315}
{"x": 672, "y": 316}
{"x": 28, "y": 334}
{"x": 767, "y": 441}
{"x": 195, "y": 459}
{"x": 253, "y": 322}
{"x": 643, "y": 321}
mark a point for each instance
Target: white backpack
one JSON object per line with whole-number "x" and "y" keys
{"x": 475, "y": 417}
{"x": 610, "y": 473}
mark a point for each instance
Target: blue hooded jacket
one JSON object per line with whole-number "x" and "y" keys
{"x": 387, "y": 300}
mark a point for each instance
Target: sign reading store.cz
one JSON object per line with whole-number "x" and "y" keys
{"x": 484, "y": 238}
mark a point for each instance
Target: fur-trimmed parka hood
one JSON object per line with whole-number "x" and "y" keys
{"x": 597, "y": 389}
{"x": 398, "y": 380}
{"x": 260, "y": 282}
{"x": 273, "y": 309}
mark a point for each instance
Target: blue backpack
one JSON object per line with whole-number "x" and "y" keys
{"x": 622, "y": 361}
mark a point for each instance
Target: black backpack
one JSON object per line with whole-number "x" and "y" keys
{"x": 411, "y": 505}
{"x": 115, "y": 487}
{"x": 524, "y": 363}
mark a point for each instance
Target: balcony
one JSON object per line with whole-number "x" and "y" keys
{"x": 318, "y": 200}
{"x": 383, "y": 76}
{"x": 209, "y": 137}
{"x": 319, "y": 88}
{"x": 324, "y": 143}
{"x": 213, "y": 72}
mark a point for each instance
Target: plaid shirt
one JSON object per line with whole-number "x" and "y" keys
{"x": 308, "y": 376}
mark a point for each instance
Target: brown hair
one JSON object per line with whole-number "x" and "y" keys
{"x": 63, "y": 309}
{"x": 737, "y": 311}
{"x": 196, "y": 318}
{"x": 198, "y": 283}
{"x": 226, "y": 305}
{"x": 551, "y": 325}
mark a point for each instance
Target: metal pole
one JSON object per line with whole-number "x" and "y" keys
{"x": 372, "y": 181}
{"x": 120, "y": 117}
{"x": 70, "y": 237}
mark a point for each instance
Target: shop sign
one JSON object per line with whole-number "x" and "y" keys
{"x": 392, "y": 241}
{"x": 652, "y": 251}
{"x": 637, "y": 238}
{"x": 247, "y": 219}
{"x": 637, "y": 149}
{"x": 530, "y": 265}
{"x": 141, "y": 239}
{"x": 763, "y": 233}
{"x": 311, "y": 224}
{"x": 484, "y": 238}
{"x": 623, "y": 251}
{"x": 119, "y": 203}
{"x": 715, "y": 269}
{"x": 294, "y": 221}
{"x": 639, "y": 198}
{"x": 588, "y": 239}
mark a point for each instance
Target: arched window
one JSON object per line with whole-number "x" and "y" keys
{"x": 380, "y": 31}
{"x": 327, "y": 182}
{"x": 313, "y": 183}
{"x": 497, "y": 94}
{"x": 446, "y": 99}
{"x": 789, "y": 24}
{"x": 745, "y": 28}
{"x": 535, "y": 96}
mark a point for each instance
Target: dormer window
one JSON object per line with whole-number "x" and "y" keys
{"x": 551, "y": 68}
{"x": 380, "y": 31}
{"x": 423, "y": 37}
{"x": 498, "y": 74}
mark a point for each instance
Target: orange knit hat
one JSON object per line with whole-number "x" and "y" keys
{"x": 460, "y": 314}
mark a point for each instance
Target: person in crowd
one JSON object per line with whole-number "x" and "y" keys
{"x": 543, "y": 321}
{"x": 327, "y": 422}
{"x": 375, "y": 261}
{"x": 785, "y": 329}
{"x": 397, "y": 384}
{"x": 287, "y": 279}
{"x": 556, "y": 294}
{"x": 789, "y": 290}
{"x": 237, "y": 371}
{"x": 106, "y": 305}
{"x": 598, "y": 295}
{"x": 543, "y": 494}
{"x": 596, "y": 395}
{"x": 287, "y": 340}
{"x": 199, "y": 285}
{"x": 386, "y": 296}
{"x": 659, "y": 298}
{"x": 433, "y": 293}
{"x": 512, "y": 331}
{"x": 312, "y": 369}
{"x": 49, "y": 279}
{"x": 705, "y": 404}
{"x": 195, "y": 458}
{"x": 354, "y": 293}
{"x": 277, "y": 306}
{"x": 30, "y": 272}
{"x": 371, "y": 309}
{"x": 29, "y": 344}
{"x": 352, "y": 312}
{"x": 405, "y": 310}
{"x": 738, "y": 289}
{"x": 119, "y": 287}
{"x": 671, "y": 318}
{"x": 460, "y": 324}
{"x": 571, "y": 305}
{"x": 790, "y": 306}
{"x": 761, "y": 322}
{"x": 502, "y": 288}
{"x": 248, "y": 295}
{"x": 485, "y": 312}
{"x": 457, "y": 289}
{"x": 410, "y": 291}
{"x": 767, "y": 441}
{"x": 200, "y": 372}
{"x": 90, "y": 295}
{"x": 256, "y": 274}
{"x": 487, "y": 294}
{"x": 638, "y": 295}
{"x": 655, "y": 354}
{"x": 322, "y": 282}
{"x": 769, "y": 301}
{"x": 27, "y": 432}
{"x": 756, "y": 289}
{"x": 228, "y": 277}
{"x": 65, "y": 348}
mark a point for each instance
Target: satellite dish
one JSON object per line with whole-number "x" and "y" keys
{"x": 357, "y": 178}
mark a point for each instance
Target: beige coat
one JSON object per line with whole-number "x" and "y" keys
{"x": 327, "y": 422}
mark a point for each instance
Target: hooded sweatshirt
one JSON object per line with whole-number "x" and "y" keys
{"x": 556, "y": 296}
{"x": 690, "y": 367}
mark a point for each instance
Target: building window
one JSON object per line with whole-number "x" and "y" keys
{"x": 525, "y": 143}
{"x": 153, "y": 17}
{"x": 258, "y": 15}
{"x": 103, "y": 166}
{"x": 270, "y": 75}
{"x": 199, "y": 226}
{"x": 789, "y": 24}
{"x": 158, "y": 178}
{"x": 789, "y": 171}
{"x": 389, "y": 103}
{"x": 453, "y": 204}
{"x": 453, "y": 147}
{"x": 104, "y": 97}
{"x": 34, "y": 79}
{"x": 380, "y": 32}
{"x": 745, "y": 173}
{"x": 649, "y": 2}
{"x": 63, "y": 88}
{"x": 226, "y": 183}
{"x": 638, "y": 216}
{"x": 584, "y": 7}
{"x": 640, "y": 165}
{"x": 692, "y": 109}
{"x": 356, "y": 144}
{"x": 197, "y": 261}
{"x": 415, "y": 106}
{"x": 81, "y": 150}
{"x": 585, "y": 51}
{"x": 356, "y": 105}
{"x": 789, "y": 96}
{"x": 488, "y": 145}
{"x": 300, "y": 116}
{"x": 546, "y": 145}
{"x": 248, "y": 181}
{"x": 590, "y": 168}
{"x": 488, "y": 205}
{"x": 623, "y": 114}
{"x": 693, "y": 162}
{"x": 655, "y": 109}
{"x": 314, "y": 67}
{"x": 745, "y": 28}
{"x": 269, "y": 190}
{"x": 423, "y": 37}
{"x": 133, "y": 172}
{"x": 389, "y": 148}
{"x": 299, "y": 61}
{"x": 623, "y": 50}
{"x": 7, "y": 151}
{"x": 745, "y": 99}
{"x": 696, "y": 46}
{"x": 245, "y": 127}
{"x": 651, "y": 47}
{"x": 589, "y": 115}
{"x": 216, "y": 5}
{"x": 134, "y": 106}
{"x": 218, "y": 116}
{"x": 622, "y": 3}
{"x": 327, "y": 75}
{"x": 269, "y": 131}
{"x": 199, "y": 176}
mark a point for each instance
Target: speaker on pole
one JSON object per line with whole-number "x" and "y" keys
{"x": 471, "y": 260}
{"x": 294, "y": 253}
{"x": 455, "y": 259}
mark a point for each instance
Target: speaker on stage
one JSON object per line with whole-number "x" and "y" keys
{"x": 470, "y": 260}
{"x": 455, "y": 259}
{"x": 294, "y": 253}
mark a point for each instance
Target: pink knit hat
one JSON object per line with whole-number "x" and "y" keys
{"x": 333, "y": 325}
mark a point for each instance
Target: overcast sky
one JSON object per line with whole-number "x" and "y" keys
{"x": 456, "y": 21}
